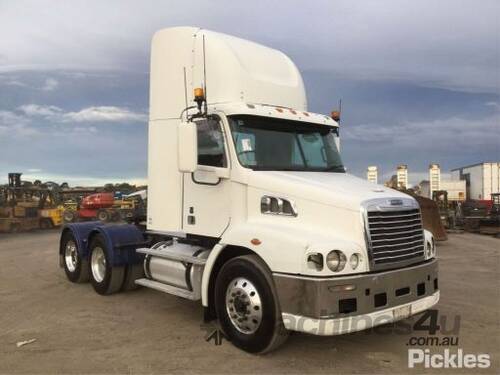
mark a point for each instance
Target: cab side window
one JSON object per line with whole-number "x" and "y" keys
{"x": 210, "y": 143}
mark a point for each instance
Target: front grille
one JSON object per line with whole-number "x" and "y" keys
{"x": 395, "y": 236}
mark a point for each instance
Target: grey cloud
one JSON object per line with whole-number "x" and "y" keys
{"x": 90, "y": 115}
{"x": 104, "y": 114}
{"x": 416, "y": 135}
{"x": 434, "y": 43}
{"x": 50, "y": 84}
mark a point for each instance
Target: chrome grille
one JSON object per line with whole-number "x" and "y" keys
{"x": 395, "y": 236}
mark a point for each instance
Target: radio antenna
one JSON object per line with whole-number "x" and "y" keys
{"x": 340, "y": 110}
{"x": 205, "y": 75}
{"x": 185, "y": 92}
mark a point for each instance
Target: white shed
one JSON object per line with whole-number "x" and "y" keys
{"x": 482, "y": 179}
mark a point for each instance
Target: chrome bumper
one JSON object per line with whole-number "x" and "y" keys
{"x": 340, "y": 326}
{"x": 356, "y": 296}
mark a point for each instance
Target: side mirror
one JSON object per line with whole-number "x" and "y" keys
{"x": 187, "y": 146}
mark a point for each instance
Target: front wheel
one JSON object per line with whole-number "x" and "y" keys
{"x": 105, "y": 278}
{"x": 247, "y": 305}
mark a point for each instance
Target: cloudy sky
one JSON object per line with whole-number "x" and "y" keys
{"x": 419, "y": 80}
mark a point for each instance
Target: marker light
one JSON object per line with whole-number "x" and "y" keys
{"x": 335, "y": 115}
{"x": 199, "y": 94}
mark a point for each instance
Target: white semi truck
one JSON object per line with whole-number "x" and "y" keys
{"x": 250, "y": 210}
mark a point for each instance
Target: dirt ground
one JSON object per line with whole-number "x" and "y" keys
{"x": 144, "y": 331}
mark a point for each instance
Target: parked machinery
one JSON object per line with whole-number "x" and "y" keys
{"x": 97, "y": 206}
{"x": 447, "y": 209}
{"x": 431, "y": 219}
{"x": 491, "y": 223}
{"x": 26, "y": 208}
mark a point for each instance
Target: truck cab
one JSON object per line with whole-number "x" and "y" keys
{"x": 250, "y": 209}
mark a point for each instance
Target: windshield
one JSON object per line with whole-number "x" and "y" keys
{"x": 264, "y": 143}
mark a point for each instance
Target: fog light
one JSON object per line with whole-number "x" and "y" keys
{"x": 354, "y": 261}
{"x": 336, "y": 260}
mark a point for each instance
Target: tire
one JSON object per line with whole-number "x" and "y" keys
{"x": 103, "y": 215}
{"x": 75, "y": 267}
{"x": 104, "y": 278}
{"x": 69, "y": 216}
{"x": 261, "y": 327}
{"x": 132, "y": 273}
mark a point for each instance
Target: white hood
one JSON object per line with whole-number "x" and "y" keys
{"x": 336, "y": 189}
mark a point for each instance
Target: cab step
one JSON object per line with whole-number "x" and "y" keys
{"x": 167, "y": 289}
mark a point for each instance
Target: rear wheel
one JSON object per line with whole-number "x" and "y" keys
{"x": 247, "y": 305}
{"x": 105, "y": 278}
{"x": 75, "y": 267}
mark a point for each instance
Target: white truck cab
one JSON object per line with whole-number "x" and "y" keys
{"x": 250, "y": 209}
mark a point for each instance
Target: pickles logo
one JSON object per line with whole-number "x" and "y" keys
{"x": 448, "y": 359}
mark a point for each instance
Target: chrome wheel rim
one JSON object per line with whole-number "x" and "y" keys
{"x": 98, "y": 264}
{"x": 244, "y": 305}
{"x": 71, "y": 256}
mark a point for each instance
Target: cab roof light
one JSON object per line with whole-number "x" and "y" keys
{"x": 199, "y": 97}
{"x": 335, "y": 115}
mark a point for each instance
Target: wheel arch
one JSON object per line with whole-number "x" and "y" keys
{"x": 121, "y": 243}
{"x": 221, "y": 255}
{"x": 80, "y": 232}
{"x": 121, "y": 240}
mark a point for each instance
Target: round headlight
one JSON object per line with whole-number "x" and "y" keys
{"x": 354, "y": 261}
{"x": 336, "y": 260}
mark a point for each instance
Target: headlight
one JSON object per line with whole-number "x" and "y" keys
{"x": 354, "y": 261}
{"x": 336, "y": 260}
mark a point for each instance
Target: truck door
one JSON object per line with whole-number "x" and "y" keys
{"x": 206, "y": 206}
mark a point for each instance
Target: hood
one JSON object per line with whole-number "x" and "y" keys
{"x": 335, "y": 189}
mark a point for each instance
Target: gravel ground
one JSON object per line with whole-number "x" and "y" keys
{"x": 144, "y": 331}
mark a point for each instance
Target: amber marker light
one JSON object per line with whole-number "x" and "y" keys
{"x": 198, "y": 93}
{"x": 255, "y": 241}
{"x": 335, "y": 115}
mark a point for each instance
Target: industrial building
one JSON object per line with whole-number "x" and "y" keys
{"x": 481, "y": 179}
{"x": 372, "y": 174}
{"x": 434, "y": 178}
{"x": 402, "y": 176}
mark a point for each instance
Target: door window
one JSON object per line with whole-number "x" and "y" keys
{"x": 211, "y": 143}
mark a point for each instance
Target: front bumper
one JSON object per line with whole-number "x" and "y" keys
{"x": 337, "y": 305}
